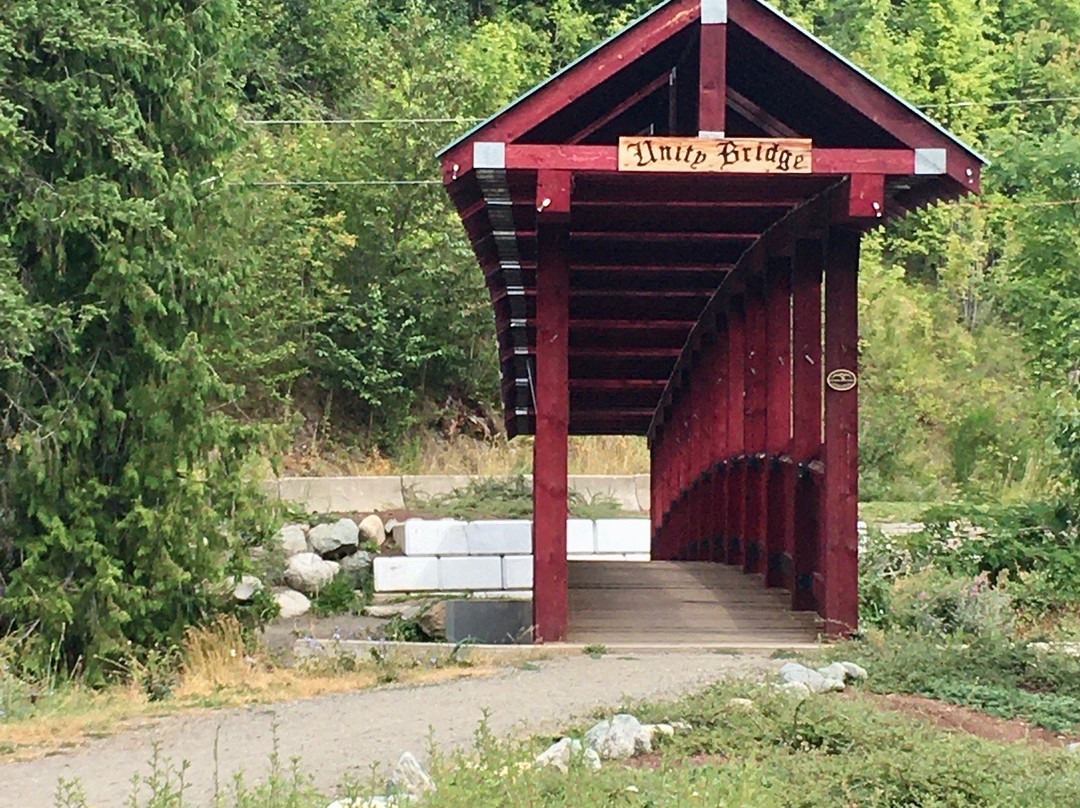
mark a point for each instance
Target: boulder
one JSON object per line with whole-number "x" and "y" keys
{"x": 293, "y": 539}
{"x": 308, "y": 572}
{"x": 292, "y": 603}
{"x": 1074, "y": 748}
{"x": 855, "y": 673}
{"x": 409, "y": 777}
{"x": 798, "y": 688}
{"x": 246, "y": 588}
{"x": 432, "y": 621}
{"x": 358, "y": 567}
{"x": 372, "y": 530}
{"x": 794, "y": 672}
{"x": 834, "y": 671}
{"x": 335, "y": 540}
{"x": 558, "y": 755}
{"x": 619, "y": 738}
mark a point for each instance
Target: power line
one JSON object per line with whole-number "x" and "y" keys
{"x": 355, "y": 121}
{"x": 307, "y": 183}
{"x": 1003, "y": 102}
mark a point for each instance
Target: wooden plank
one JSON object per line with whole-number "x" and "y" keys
{"x": 550, "y": 448}
{"x": 712, "y": 82}
{"x": 841, "y": 453}
{"x": 778, "y": 427}
{"x": 715, "y": 156}
{"x": 806, "y": 403}
{"x": 867, "y": 196}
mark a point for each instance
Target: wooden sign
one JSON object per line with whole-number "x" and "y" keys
{"x": 727, "y": 156}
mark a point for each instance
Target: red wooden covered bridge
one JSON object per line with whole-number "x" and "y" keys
{"x": 670, "y": 232}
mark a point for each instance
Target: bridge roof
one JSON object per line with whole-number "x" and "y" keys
{"x": 648, "y": 250}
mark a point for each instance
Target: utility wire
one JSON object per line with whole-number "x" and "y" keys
{"x": 308, "y": 183}
{"x": 1004, "y": 102}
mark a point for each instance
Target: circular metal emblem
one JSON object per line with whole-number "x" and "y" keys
{"x": 842, "y": 380}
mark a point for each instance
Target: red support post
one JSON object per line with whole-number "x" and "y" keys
{"x": 720, "y": 443}
{"x": 712, "y": 89}
{"x": 840, "y": 561}
{"x": 755, "y": 423}
{"x": 550, "y": 594}
{"x": 778, "y": 438}
{"x": 735, "y": 493}
{"x": 806, "y": 413}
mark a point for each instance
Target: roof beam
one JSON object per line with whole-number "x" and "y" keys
{"x": 631, "y": 102}
{"x": 757, "y": 116}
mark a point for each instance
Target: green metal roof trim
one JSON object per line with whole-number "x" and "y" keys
{"x": 767, "y": 7}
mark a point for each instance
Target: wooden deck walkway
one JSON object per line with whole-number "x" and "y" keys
{"x": 680, "y": 603}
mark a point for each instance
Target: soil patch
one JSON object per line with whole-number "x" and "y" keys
{"x": 955, "y": 718}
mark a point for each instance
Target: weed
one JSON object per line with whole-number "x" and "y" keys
{"x": 505, "y": 498}
{"x": 595, "y": 650}
{"x": 338, "y": 597}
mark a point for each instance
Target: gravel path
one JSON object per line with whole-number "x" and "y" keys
{"x": 344, "y": 734}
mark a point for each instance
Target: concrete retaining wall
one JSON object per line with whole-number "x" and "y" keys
{"x": 369, "y": 494}
{"x": 446, "y": 555}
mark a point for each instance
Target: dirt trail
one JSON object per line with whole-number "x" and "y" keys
{"x": 341, "y": 735}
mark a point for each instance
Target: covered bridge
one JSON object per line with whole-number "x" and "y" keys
{"x": 670, "y": 230}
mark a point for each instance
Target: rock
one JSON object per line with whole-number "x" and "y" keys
{"x": 742, "y": 705}
{"x": 247, "y": 587}
{"x": 336, "y": 540}
{"x": 385, "y": 611}
{"x": 834, "y": 671}
{"x": 794, "y": 672}
{"x": 619, "y": 738}
{"x": 308, "y": 572}
{"x": 292, "y": 603}
{"x": 372, "y": 530}
{"x": 409, "y": 776}
{"x": 1074, "y": 748}
{"x": 559, "y": 754}
{"x": 681, "y": 726}
{"x": 357, "y": 566}
{"x": 293, "y": 539}
{"x": 855, "y": 672}
{"x": 591, "y": 760}
{"x": 659, "y": 729}
{"x": 432, "y": 621}
{"x": 798, "y": 688}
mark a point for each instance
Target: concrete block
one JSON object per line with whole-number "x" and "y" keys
{"x": 433, "y": 537}
{"x": 499, "y": 537}
{"x": 425, "y": 486}
{"x": 583, "y": 557}
{"x": 470, "y": 573}
{"x": 517, "y": 572}
{"x": 343, "y": 494}
{"x": 623, "y": 536}
{"x": 580, "y": 537}
{"x": 621, "y": 488}
{"x": 643, "y": 487}
{"x": 637, "y": 557}
{"x": 400, "y": 574}
{"x": 491, "y": 621}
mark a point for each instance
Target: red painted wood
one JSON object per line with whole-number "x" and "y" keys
{"x": 712, "y": 85}
{"x": 896, "y": 162}
{"x": 660, "y": 82}
{"x": 719, "y": 441}
{"x": 755, "y": 422}
{"x": 550, "y": 596}
{"x": 857, "y": 91}
{"x": 867, "y": 196}
{"x": 735, "y": 493}
{"x": 778, "y": 427}
{"x": 806, "y": 407}
{"x": 841, "y": 452}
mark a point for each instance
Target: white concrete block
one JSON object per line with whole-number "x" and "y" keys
{"x": 434, "y": 537}
{"x": 499, "y": 537}
{"x": 638, "y": 557}
{"x": 580, "y": 537}
{"x": 517, "y": 572}
{"x": 400, "y": 574}
{"x": 477, "y": 572}
{"x": 623, "y": 536}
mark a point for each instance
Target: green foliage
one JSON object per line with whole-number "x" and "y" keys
{"x": 340, "y": 596}
{"x": 506, "y": 498}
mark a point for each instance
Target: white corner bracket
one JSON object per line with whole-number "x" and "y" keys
{"x": 489, "y": 155}
{"x": 931, "y": 161}
{"x": 713, "y": 12}
{"x": 708, "y": 134}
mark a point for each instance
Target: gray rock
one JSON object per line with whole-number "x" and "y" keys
{"x": 854, "y": 672}
{"x": 409, "y": 776}
{"x": 559, "y": 754}
{"x": 308, "y": 572}
{"x": 619, "y": 738}
{"x": 246, "y": 588}
{"x": 798, "y": 688}
{"x": 659, "y": 729}
{"x": 432, "y": 621}
{"x": 834, "y": 671}
{"x": 292, "y": 603}
{"x": 293, "y": 539}
{"x": 357, "y": 566}
{"x": 336, "y": 540}
{"x": 591, "y": 760}
{"x": 794, "y": 672}
{"x": 1074, "y": 748}
{"x": 385, "y": 611}
{"x": 372, "y": 530}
